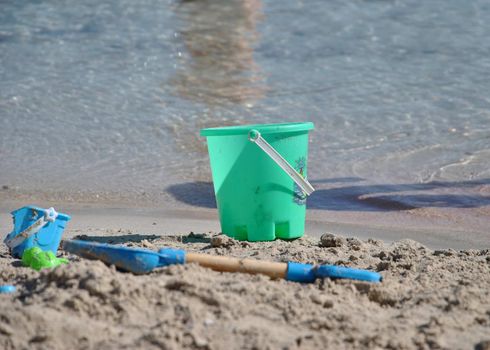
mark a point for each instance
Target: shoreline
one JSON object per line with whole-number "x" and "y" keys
{"x": 147, "y": 217}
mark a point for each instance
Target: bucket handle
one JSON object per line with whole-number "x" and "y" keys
{"x": 49, "y": 216}
{"x": 255, "y": 137}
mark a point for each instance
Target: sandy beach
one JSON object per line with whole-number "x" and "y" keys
{"x": 162, "y": 213}
{"x": 428, "y": 298}
{"x": 431, "y": 297}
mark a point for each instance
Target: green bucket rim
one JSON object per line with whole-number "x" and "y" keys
{"x": 262, "y": 128}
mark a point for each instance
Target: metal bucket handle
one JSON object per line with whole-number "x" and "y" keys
{"x": 255, "y": 137}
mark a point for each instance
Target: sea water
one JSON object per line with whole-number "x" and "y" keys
{"x": 111, "y": 95}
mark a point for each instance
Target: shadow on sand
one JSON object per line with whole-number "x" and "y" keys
{"x": 128, "y": 238}
{"x": 360, "y": 197}
{"x": 138, "y": 238}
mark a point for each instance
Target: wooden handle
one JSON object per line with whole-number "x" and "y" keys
{"x": 227, "y": 264}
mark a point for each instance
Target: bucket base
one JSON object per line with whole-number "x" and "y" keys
{"x": 266, "y": 231}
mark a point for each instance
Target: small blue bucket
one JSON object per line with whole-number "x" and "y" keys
{"x": 36, "y": 227}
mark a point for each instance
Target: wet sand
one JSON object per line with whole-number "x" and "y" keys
{"x": 437, "y": 228}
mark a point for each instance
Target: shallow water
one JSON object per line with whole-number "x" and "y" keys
{"x": 110, "y": 96}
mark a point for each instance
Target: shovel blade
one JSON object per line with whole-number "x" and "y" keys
{"x": 137, "y": 261}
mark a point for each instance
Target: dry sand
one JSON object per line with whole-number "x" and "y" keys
{"x": 428, "y": 299}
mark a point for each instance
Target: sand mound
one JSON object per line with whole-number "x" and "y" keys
{"x": 428, "y": 299}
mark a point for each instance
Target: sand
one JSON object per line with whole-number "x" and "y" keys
{"x": 428, "y": 299}
{"x": 435, "y": 227}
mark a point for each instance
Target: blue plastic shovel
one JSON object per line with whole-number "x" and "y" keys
{"x": 140, "y": 261}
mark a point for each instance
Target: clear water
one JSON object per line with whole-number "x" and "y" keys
{"x": 110, "y": 95}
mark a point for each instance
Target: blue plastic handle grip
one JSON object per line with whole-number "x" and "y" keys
{"x": 298, "y": 272}
{"x": 7, "y": 289}
{"x": 306, "y": 273}
{"x": 333, "y": 271}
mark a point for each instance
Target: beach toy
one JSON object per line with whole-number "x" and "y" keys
{"x": 140, "y": 261}
{"x": 260, "y": 179}
{"x": 38, "y": 259}
{"x": 36, "y": 227}
{"x": 6, "y": 289}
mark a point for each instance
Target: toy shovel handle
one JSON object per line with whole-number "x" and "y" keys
{"x": 332, "y": 271}
{"x": 229, "y": 264}
{"x": 291, "y": 271}
{"x": 255, "y": 137}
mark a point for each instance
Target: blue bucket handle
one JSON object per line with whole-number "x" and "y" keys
{"x": 50, "y": 215}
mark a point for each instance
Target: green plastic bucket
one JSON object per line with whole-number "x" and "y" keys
{"x": 259, "y": 176}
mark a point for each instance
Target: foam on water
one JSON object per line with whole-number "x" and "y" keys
{"x": 111, "y": 95}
